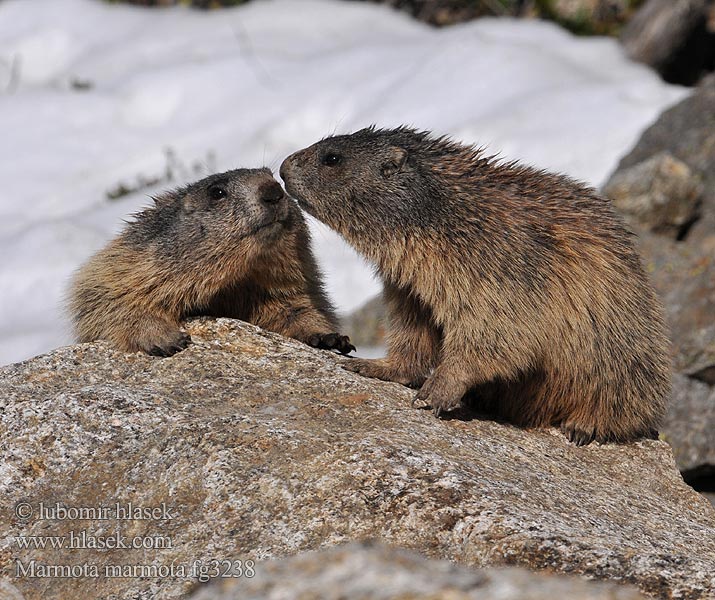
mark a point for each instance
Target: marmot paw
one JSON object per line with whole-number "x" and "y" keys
{"x": 168, "y": 345}
{"x": 578, "y": 434}
{"x": 331, "y": 341}
{"x": 439, "y": 397}
{"x": 378, "y": 368}
{"x": 366, "y": 367}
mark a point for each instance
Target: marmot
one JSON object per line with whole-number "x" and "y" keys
{"x": 230, "y": 245}
{"x": 500, "y": 279}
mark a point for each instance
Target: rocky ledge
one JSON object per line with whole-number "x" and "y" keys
{"x": 249, "y": 446}
{"x": 370, "y": 571}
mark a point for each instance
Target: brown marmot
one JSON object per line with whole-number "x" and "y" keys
{"x": 230, "y": 245}
{"x": 500, "y": 279}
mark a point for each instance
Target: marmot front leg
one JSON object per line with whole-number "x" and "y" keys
{"x": 154, "y": 335}
{"x": 444, "y": 389}
{"x": 413, "y": 342}
{"x": 298, "y": 318}
{"x": 463, "y": 364}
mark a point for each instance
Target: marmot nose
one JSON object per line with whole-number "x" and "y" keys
{"x": 271, "y": 193}
{"x": 286, "y": 167}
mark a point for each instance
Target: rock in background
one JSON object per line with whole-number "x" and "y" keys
{"x": 689, "y": 428}
{"x": 375, "y": 572}
{"x": 660, "y": 194}
{"x": 686, "y": 132}
{"x": 263, "y": 447}
{"x": 585, "y": 17}
{"x": 675, "y": 37}
{"x": 588, "y": 17}
{"x": 366, "y": 325}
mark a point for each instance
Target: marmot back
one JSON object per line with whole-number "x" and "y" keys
{"x": 230, "y": 245}
{"x": 499, "y": 278}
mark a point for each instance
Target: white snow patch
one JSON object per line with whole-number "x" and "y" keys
{"x": 248, "y": 86}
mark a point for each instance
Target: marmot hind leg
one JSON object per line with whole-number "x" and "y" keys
{"x": 384, "y": 369}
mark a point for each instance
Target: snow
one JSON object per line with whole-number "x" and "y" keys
{"x": 191, "y": 92}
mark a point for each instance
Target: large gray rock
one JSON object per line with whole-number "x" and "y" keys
{"x": 683, "y": 274}
{"x": 688, "y": 426}
{"x": 261, "y": 447}
{"x": 376, "y": 572}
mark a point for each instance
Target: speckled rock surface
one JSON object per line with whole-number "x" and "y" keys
{"x": 259, "y": 447}
{"x": 376, "y": 572}
{"x": 9, "y": 591}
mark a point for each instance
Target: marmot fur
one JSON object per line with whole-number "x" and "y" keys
{"x": 500, "y": 279}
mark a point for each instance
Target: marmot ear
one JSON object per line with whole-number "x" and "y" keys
{"x": 188, "y": 204}
{"x": 166, "y": 198}
{"x": 162, "y": 199}
{"x": 395, "y": 162}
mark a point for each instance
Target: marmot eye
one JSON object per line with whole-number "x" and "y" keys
{"x": 216, "y": 192}
{"x": 331, "y": 159}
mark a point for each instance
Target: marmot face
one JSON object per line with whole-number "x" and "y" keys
{"x": 346, "y": 180}
{"x": 231, "y": 245}
{"x": 238, "y": 204}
